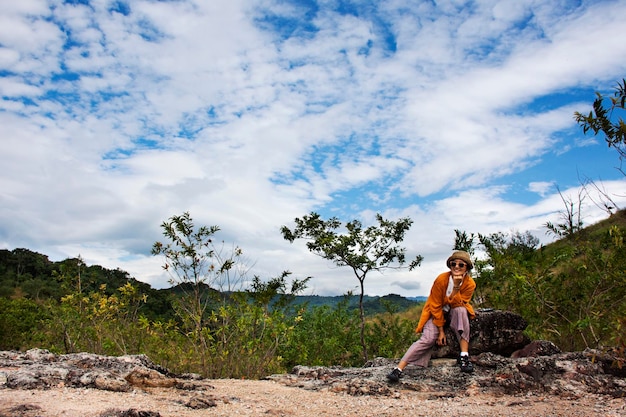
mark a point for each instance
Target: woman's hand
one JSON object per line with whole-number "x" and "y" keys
{"x": 441, "y": 340}
{"x": 457, "y": 280}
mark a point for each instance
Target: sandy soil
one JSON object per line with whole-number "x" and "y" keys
{"x": 268, "y": 398}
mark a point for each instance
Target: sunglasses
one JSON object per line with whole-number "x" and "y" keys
{"x": 459, "y": 264}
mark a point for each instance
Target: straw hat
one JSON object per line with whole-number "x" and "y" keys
{"x": 462, "y": 256}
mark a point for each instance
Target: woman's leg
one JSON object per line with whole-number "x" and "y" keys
{"x": 459, "y": 323}
{"x": 419, "y": 352}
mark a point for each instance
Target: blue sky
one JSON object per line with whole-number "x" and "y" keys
{"x": 116, "y": 115}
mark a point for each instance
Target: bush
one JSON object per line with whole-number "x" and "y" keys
{"x": 325, "y": 336}
{"x": 20, "y": 321}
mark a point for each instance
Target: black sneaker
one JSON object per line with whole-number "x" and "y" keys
{"x": 465, "y": 364}
{"x": 394, "y": 376}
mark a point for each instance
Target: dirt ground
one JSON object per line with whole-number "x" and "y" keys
{"x": 268, "y": 398}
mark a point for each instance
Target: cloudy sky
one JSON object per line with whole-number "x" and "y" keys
{"x": 116, "y": 115}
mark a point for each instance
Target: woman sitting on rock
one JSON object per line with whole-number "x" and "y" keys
{"x": 450, "y": 294}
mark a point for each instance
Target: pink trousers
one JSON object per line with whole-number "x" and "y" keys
{"x": 419, "y": 352}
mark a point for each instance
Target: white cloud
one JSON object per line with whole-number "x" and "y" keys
{"x": 541, "y": 187}
{"x": 112, "y": 122}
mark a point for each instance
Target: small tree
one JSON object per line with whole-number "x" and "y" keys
{"x": 374, "y": 248}
{"x": 199, "y": 268}
{"x": 232, "y": 333}
{"x": 571, "y": 217}
{"x": 603, "y": 119}
{"x": 72, "y": 313}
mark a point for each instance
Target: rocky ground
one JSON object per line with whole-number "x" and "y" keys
{"x": 37, "y": 383}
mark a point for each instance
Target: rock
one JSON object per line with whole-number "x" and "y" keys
{"x": 569, "y": 374}
{"x": 24, "y": 410}
{"x": 494, "y": 331}
{"x": 129, "y": 413}
{"x": 573, "y": 374}
{"x": 536, "y": 348}
{"x": 111, "y": 383}
{"x": 39, "y": 368}
{"x": 140, "y": 377}
{"x": 499, "y": 332}
{"x": 199, "y": 403}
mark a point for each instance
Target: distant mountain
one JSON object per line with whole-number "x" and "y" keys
{"x": 371, "y": 304}
{"x": 419, "y": 299}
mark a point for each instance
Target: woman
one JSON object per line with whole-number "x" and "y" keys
{"x": 451, "y": 293}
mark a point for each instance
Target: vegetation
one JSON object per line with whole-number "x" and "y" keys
{"x": 605, "y": 118}
{"x": 363, "y": 250}
{"x": 264, "y": 329}
{"x": 572, "y": 292}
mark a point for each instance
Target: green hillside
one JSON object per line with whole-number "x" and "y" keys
{"x": 571, "y": 291}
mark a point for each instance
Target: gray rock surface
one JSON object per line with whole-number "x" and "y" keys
{"x": 40, "y": 369}
{"x": 573, "y": 374}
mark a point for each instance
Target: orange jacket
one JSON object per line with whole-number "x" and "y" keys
{"x": 438, "y": 298}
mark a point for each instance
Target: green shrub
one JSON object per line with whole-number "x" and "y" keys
{"x": 325, "y": 336}
{"x": 20, "y": 321}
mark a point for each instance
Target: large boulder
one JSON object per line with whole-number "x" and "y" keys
{"x": 492, "y": 331}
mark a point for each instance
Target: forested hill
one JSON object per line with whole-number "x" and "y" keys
{"x": 392, "y": 303}
{"x": 31, "y": 275}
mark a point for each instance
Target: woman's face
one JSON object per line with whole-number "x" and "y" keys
{"x": 458, "y": 266}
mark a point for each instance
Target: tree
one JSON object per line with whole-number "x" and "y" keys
{"x": 197, "y": 266}
{"x": 508, "y": 277}
{"x": 599, "y": 196}
{"x": 464, "y": 241}
{"x": 72, "y": 311}
{"x": 275, "y": 293}
{"x": 603, "y": 119}
{"x": 374, "y": 248}
{"x": 571, "y": 217}
{"x": 231, "y": 333}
